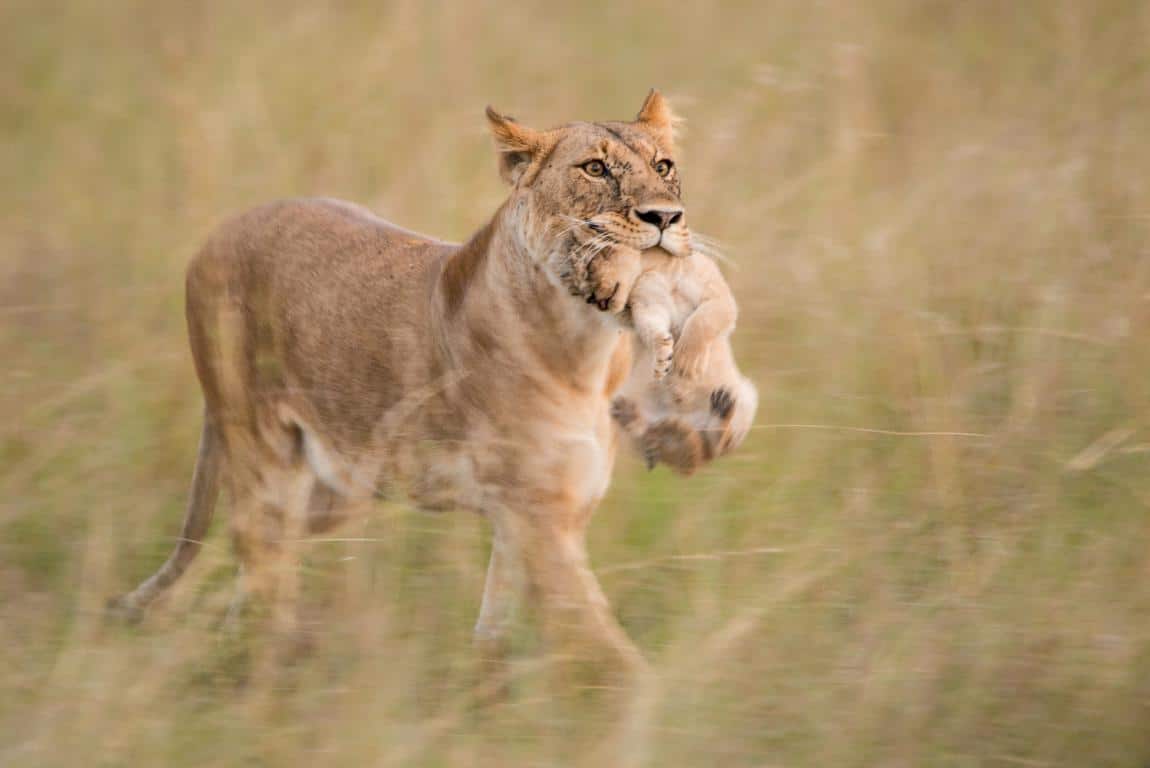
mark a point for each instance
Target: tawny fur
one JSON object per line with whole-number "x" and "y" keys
{"x": 342, "y": 357}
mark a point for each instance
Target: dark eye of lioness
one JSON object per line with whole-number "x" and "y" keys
{"x": 663, "y": 167}
{"x": 594, "y": 168}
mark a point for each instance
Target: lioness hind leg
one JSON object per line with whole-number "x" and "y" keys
{"x": 328, "y": 509}
{"x": 269, "y": 522}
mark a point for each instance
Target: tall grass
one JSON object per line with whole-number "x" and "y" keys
{"x": 935, "y": 548}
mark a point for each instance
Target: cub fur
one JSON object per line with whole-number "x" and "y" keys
{"x": 686, "y": 403}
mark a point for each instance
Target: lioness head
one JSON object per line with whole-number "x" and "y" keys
{"x": 595, "y": 182}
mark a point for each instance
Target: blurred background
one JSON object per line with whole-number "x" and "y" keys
{"x": 934, "y": 550}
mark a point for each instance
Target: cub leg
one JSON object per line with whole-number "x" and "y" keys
{"x": 713, "y": 318}
{"x": 651, "y": 317}
{"x": 627, "y": 415}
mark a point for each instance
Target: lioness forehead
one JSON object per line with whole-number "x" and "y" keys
{"x": 633, "y": 137}
{"x": 596, "y": 137}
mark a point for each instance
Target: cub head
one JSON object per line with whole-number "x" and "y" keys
{"x": 595, "y": 183}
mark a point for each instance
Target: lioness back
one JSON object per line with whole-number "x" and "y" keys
{"x": 312, "y": 302}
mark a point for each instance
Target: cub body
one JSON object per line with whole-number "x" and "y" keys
{"x": 686, "y": 402}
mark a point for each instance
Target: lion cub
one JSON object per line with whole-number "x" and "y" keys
{"x": 686, "y": 403}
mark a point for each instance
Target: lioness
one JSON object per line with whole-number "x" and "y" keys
{"x": 342, "y": 357}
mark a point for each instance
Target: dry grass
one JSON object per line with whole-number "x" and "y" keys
{"x": 935, "y": 550}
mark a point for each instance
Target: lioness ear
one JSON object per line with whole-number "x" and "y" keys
{"x": 657, "y": 117}
{"x": 517, "y": 145}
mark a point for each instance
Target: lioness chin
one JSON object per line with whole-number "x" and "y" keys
{"x": 342, "y": 357}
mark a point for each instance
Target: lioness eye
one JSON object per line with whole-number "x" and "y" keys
{"x": 595, "y": 168}
{"x": 663, "y": 167}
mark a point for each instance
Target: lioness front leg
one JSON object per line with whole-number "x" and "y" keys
{"x": 501, "y": 595}
{"x": 576, "y": 616}
{"x": 580, "y": 630}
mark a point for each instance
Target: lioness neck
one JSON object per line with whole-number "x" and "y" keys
{"x": 495, "y": 300}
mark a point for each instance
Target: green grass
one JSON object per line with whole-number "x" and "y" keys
{"x": 934, "y": 550}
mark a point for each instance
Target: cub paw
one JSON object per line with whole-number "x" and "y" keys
{"x": 675, "y": 444}
{"x": 650, "y": 455}
{"x": 624, "y": 411}
{"x": 611, "y": 273}
{"x": 722, "y": 403}
{"x": 663, "y": 350}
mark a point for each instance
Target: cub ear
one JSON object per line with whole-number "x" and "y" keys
{"x": 517, "y": 145}
{"x": 656, "y": 116}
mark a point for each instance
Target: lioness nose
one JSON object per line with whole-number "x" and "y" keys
{"x": 660, "y": 217}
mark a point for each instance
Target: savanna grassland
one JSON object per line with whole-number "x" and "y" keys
{"x": 934, "y": 550}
